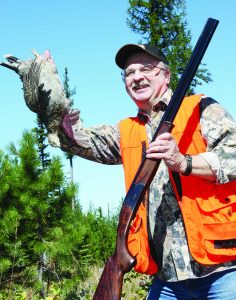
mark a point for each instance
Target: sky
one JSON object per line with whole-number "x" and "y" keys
{"x": 84, "y": 36}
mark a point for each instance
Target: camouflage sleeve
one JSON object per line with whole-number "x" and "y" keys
{"x": 100, "y": 144}
{"x": 219, "y": 131}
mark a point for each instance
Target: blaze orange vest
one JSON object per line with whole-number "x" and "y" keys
{"x": 209, "y": 210}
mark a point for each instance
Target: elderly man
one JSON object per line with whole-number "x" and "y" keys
{"x": 191, "y": 202}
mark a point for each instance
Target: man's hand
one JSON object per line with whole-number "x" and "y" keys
{"x": 68, "y": 121}
{"x": 166, "y": 148}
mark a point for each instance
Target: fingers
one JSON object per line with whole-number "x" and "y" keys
{"x": 158, "y": 147}
{"x": 165, "y": 136}
{"x": 163, "y": 142}
{"x": 166, "y": 148}
{"x": 74, "y": 116}
{"x": 157, "y": 150}
{"x": 162, "y": 148}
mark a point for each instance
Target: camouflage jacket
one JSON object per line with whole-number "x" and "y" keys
{"x": 101, "y": 144}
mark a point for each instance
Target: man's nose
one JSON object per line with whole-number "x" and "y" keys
{"x": 138, "y": 75}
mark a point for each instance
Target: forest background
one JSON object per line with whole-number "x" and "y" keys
{"x": 48, "y": 244}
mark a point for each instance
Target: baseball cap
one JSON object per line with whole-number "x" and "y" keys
{"x": 127, "y": 50}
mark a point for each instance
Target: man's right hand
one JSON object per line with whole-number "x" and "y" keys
{"x": 70, "y": 119}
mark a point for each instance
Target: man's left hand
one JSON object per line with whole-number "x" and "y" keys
{"x": 166, "y": 148}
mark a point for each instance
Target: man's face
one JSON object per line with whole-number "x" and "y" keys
{"x": 146, "y": 79}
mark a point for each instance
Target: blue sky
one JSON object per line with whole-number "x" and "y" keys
{"x": 84, "y": 36}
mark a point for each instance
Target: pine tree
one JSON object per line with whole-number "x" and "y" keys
{"x": 41, "y": 142}
{"x": 41, "y": 146}
{"x": 69, "y": 94}
{"x": 101, "y": 235}
{"x": 163, "y": 23}
{"x": 36, "y": 218}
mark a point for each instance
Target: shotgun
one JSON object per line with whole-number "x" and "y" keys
{"x": 121, "y": 262}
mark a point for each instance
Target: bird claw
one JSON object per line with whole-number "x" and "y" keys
{"x": 12, "y": 66}
{"x": 21, "y": 67}
{"x": 11, "y": 58}
{"x": 13, "y": 62}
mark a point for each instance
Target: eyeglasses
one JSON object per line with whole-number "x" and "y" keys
{"x": 145, "y": 70}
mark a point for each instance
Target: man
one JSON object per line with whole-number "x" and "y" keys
{"x": 192, "y": 196}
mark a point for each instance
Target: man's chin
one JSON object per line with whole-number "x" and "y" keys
{"x": 142, "y": 104}
{"x": 141, "y": 100}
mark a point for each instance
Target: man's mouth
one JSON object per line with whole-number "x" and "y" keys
{"x": 140, "y": 87}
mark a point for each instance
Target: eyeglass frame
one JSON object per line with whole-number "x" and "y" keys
{"x": 131, "y": 74}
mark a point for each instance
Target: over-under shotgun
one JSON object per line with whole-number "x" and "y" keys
{"x": 121, "y": 262}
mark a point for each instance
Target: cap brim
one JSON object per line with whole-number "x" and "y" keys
{"x": 125, "y": 52}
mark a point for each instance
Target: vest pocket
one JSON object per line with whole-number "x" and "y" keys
{"x": 220, "y": 239}
{"x": 219, "y": 221}
{"x": 138, "y": 243}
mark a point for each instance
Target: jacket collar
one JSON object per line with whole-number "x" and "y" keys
{"x": 160, "y": 105}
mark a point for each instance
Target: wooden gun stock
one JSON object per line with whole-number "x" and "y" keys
{"x": 121, "y": 262}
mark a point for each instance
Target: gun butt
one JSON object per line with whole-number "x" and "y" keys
{"x": 111, "y": 281}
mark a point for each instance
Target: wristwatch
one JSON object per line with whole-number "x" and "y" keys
{"x": 189, "y": 168}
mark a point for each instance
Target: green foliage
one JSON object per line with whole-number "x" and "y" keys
{"x": 136, "y": 286}
{"x": 69, "y": 94}
{"x": 68, "y": 91}
{"x": 102, "y": 232}
{"x": 163, "y": 23}
{"x": 46, "y": 247}
{"x": 40, "y": 136}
